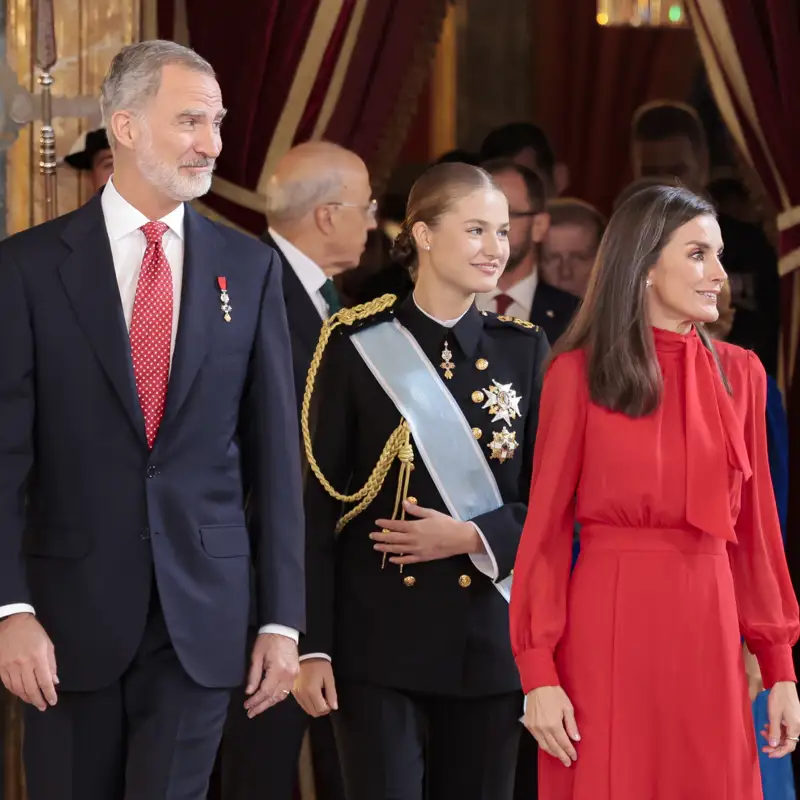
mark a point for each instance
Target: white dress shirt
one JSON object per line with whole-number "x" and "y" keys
{"x": 128, "y": 243}
{"x": 308, "y": 272}
{"x": 521, "y": 294}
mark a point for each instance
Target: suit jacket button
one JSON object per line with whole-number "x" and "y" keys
{"x": 465, "y": 581}
{"x": 151, "y": 472}
{"x": 409, "y": 580}
{"x": 144, "y": 533}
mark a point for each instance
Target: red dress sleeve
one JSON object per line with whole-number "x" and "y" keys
{"x": 768, "y": 613}
{"x": 542, "y": 568}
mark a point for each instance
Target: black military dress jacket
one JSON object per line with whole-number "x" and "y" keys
{"x": 438, "y": 627}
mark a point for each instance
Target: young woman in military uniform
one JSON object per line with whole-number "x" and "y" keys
{"x": 424, "y": 420}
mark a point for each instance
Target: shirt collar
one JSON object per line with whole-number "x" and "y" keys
{"x": 311, "y": 275}
{"x": 521, "y": 292}
{"x": 123, "y": 219}
{"x": 430, "y": 332}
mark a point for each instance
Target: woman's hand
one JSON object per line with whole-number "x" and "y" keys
{"x": 315, "y": 688}
{"x": 783, "y": 709}
{"x": 755, "y": 684}
{"x": 433, "y": 536}
{"x": 549, "y": 716}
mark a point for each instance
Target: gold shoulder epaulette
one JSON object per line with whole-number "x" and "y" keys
{"x": 523, "y": 323}
{"x": 398, "y": 444}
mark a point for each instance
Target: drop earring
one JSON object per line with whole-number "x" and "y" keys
{"x": 648, "y": 283}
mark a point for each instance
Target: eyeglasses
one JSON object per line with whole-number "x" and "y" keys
{"x": 370, "y": 211}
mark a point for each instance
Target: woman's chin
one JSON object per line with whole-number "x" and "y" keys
{"x": 484, "y": 283}
{"x": 707, "y": 314}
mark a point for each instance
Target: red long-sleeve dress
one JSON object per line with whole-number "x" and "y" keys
{"x": 681, "y": 555}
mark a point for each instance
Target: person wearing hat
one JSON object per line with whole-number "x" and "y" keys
{"x": 91, "y": 153}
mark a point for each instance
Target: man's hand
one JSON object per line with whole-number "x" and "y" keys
{"x": 273, "y": 668}
{"x": 315, "y": 688}
{"x": 430, "y": 537}
{"x": 28, "y": 660}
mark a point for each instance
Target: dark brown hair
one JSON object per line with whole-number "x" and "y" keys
{"x": 645, "y": 182}
{"x": 665, "y": 119}
{"x": 612, "y": 324}
{"x": 510, "y": 140}
{"x": 572, "y": 211}
{"x": 433, "y": 194}
{"x": 535, "y": 184}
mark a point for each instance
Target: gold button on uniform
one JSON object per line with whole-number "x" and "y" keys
{"x": 409, "y": 580}
{"x": 482, "y": 364}
{"x": 477, "y": 433}
{"x": 412, "y": 500}
{"x": 465, "y": 581}
{"x": 477, "y": 397}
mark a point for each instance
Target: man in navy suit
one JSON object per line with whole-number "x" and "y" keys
{"x": 521, "y": 292}
{"x": 150, "y": 497}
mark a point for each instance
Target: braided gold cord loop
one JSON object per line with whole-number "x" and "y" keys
{"x": 399, "y": 441}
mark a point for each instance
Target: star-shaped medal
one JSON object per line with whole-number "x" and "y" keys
{"x": 503, "y": 445}
{"x": 502, "y": 401}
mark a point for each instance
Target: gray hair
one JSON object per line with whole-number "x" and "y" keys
{"x": 291, "y": 200}
{"x": 134, "y": 76}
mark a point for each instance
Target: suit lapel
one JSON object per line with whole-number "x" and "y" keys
{"x": 201, "y": 267}
{"x": 304, "y": 319}
{"x": 90, "y": 282}
{"x": 303, "y": 316}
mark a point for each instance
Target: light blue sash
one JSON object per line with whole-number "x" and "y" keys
{"x": 441, "y": 434}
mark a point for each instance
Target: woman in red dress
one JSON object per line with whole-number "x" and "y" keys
{"x": 656, "y": 443}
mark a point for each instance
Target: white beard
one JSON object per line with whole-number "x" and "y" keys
{"x": 169, "y": 179}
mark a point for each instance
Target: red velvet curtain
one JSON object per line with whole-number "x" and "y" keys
{"x": 589, "y": 80}
{"x": 348, "y": 71}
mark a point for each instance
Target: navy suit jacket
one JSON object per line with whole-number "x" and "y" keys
{"x": 89, "y": 515}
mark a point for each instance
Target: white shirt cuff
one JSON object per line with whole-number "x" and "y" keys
{"x": 315, "y": 655}
{"x": 15, "y": 608}
{"x": 485, "y": 562}
{"x": 281, "y": 630}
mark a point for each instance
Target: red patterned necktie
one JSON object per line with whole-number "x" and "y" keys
{"x": 502, "y": 302}
{"x": 151, "y": 329}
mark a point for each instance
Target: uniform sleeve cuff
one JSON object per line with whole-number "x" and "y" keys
{"x": 537, "y": 668}
{"x": 485, "y": 562}
{"x": 315, "y": 655}
{"x": 776, "y": 664}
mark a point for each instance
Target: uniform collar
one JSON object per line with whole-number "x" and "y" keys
{"x": 431, "y": 333}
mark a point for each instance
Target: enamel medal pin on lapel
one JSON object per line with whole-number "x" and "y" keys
{"x": 224, "y": 298}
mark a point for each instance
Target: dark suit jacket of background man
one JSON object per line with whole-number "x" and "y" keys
{"x": 304, "y": 320}
{"x": 104, "y": 513}
{"x": 553, "y": 310}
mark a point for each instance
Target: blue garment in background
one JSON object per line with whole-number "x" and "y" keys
{"x": 777, "y": 779}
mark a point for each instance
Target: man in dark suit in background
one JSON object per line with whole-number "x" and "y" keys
{"x": 143, "y": 404}
{"x": 520, "y": 291}
{"x": 320, "y": 209}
